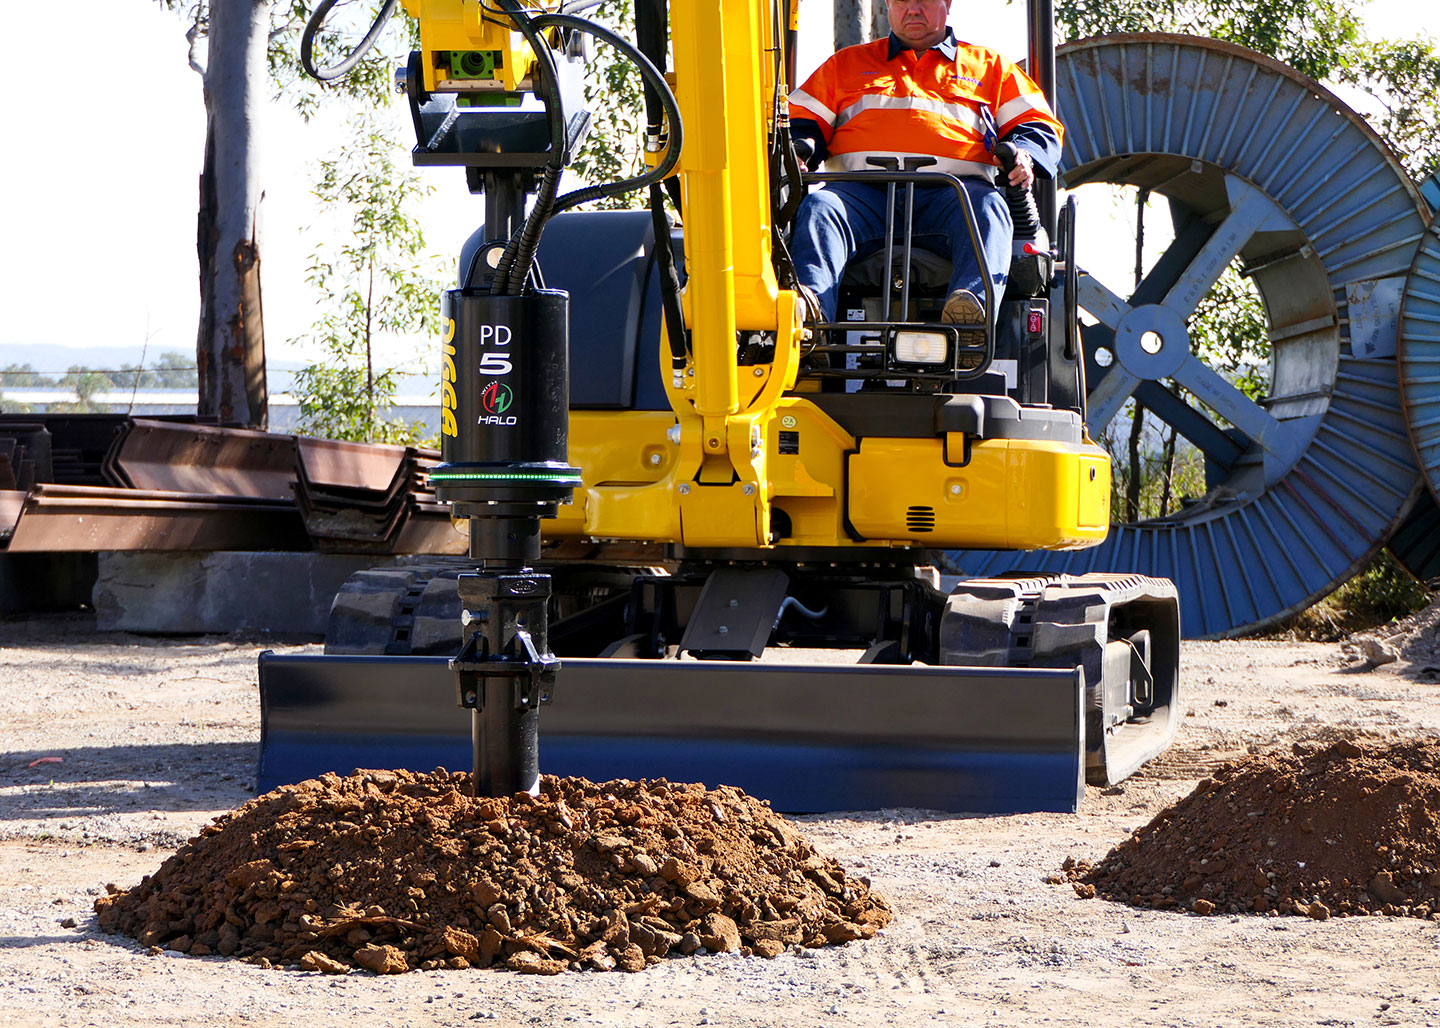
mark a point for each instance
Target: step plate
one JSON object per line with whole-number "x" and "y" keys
{"x": 808, "y": 738}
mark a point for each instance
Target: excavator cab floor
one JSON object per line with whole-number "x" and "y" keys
{"x": 806, "y": 737}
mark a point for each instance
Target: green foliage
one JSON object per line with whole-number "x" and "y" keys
{"x": 1316, "y": 37}
{"x": 176, "y": 371}
{"x": 371, "y": 80}
{"x": 1080, "y": 19}
{"x": 1170, "y": 471}
{"x": 23, "y": 376}
{"x": 1230, "y": 332}
{"x": 616, "y": 99}
{"x": 1384, "y": 590}
{"x": 172, "y": 371}
{"x": 86, "y": 383}
{"x": 337, "y": 403}
{"x": 376, "y": 284}
{"x": 1404, "y": 77}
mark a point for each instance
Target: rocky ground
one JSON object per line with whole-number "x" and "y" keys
{"x": 115, "y": 750}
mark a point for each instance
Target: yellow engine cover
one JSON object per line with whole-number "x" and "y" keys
{"x": 1009, "y": 494}
{"x": 834, "y": 490}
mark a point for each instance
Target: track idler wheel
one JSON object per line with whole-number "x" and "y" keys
{"x": 1123, "y": 631}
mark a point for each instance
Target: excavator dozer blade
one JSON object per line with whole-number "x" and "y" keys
{"x": 807, "y": 738}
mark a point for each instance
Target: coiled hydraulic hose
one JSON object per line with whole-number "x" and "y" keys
{"x": 519, "y": 255}
{"x": 312, "y": 29}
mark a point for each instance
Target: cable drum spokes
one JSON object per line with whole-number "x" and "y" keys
{"x": 1265, "y": 169}
{"x": 1150, "y": 343}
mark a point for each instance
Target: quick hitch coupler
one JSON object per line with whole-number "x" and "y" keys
{"x": 505, "y": 451}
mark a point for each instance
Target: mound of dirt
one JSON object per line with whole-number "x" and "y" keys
{"x": 394, "y": 871}
{"x": 1339, "y": 830}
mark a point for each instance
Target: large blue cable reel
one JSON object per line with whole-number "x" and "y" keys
{"x": 1263, "y": 167}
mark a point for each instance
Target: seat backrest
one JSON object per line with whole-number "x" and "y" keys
{"x": 605, "y": 261}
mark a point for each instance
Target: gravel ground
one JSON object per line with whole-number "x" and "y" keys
{"x": 156, "y": 737}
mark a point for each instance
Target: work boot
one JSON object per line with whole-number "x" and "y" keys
{"x": 814, "y": 313}
{"x": 963, "y": 307}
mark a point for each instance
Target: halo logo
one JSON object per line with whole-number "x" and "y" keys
{"x": 496, "y": 398}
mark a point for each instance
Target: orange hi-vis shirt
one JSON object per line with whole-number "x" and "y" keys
{"x": 869, "y": 103}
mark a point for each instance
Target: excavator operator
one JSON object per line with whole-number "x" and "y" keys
{"x": 919, "y": 93}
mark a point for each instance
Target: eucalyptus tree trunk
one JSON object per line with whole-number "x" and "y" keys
{"x": 230, "y": 348}
{"x": 859, "y": 21}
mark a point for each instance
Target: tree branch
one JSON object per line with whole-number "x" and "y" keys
{"x": 290, "y": 25}
{"x": 192, "y": 36}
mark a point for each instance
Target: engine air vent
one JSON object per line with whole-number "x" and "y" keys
{"x": 920, "y": 519}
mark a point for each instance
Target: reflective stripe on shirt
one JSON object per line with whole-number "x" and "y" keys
{"x": 1026, "y": 103}
{"x": 960, "y": 113}
{"x": 803, "y": 99}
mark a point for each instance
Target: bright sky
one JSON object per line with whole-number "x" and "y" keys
{"x": 100, "y": 175}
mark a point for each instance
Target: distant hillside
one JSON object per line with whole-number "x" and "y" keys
{"x": 55, "y": 361}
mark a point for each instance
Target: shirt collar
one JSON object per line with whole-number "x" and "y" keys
{"x": 946, "y": 46}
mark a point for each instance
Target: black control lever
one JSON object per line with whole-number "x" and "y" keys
{"x": 1020, "y": 198}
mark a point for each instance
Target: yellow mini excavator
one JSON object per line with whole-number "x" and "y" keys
{"x": 625, "y": 380}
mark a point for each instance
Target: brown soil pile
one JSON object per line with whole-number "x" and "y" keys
{"x": 394, "y": 871}
{"x": 1338, "y": 830}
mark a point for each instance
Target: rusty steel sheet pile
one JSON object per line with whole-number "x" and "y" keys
{"x": 77, "y": 483}
{"x": 368, "y": 498}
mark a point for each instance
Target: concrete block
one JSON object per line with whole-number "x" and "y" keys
{"x": 221, "y": 592}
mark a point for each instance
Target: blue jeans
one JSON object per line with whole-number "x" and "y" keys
{"x": 847, "y": 220}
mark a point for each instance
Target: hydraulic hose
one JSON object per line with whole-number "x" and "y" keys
{"x": 519, "y": 255}
{"x": 652, "y": 75}
{"x": 518, "y": 259}
{"x": 547, "y": 81}
{"x": 312, "y": 29}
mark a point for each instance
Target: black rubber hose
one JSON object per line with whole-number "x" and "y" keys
{"x": 548, "y": 81}
{"x": 519, "y": 255}
{"x": 312, "y": 29}
{"x": 650, "y": 38}
{"x": 667, "y": 99}
{"x": 669, "y": 279}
